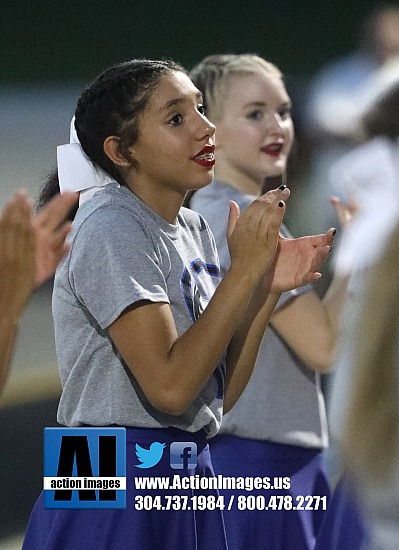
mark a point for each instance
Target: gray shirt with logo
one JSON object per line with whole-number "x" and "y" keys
{"x": 122, "y": 253}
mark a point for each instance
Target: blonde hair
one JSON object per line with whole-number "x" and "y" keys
{"x": 370, "y": 439}
{"x": 211, "y": 76}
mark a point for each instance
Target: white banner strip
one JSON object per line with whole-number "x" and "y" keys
{"x": 85, "y": 483}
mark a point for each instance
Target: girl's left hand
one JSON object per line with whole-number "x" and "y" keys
{"x": 297, "y": 261}
{"x": 51, "y": 230}
{"x": 17, "y": 257}
{"x": 344, "y": 211}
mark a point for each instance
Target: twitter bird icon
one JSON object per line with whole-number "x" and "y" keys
{"x": 149, "y": 457}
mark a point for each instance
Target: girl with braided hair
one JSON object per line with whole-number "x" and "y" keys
{"x": 148, "y": 336}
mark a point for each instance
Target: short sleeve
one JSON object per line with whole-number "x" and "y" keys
{"x": 114, "y": 263}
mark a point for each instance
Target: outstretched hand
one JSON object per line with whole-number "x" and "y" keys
{"x": 253, "y": 236}
{"x": 17, "y": 256}
{"x": 30, "y": 248}
{"x": 50, "y": 230}
{"x": 297, "y": 261}
{"x": 344, "y": 211}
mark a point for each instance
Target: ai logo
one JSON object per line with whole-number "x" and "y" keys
{"x": 84, "y": 468}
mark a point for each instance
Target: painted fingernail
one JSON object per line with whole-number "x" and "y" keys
{"x": 334, "y": 232}
{"x": 281, "y": 204}
{"x": 282, "y": 187}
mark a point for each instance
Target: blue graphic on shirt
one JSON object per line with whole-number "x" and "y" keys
{"x": 198, "y": 287}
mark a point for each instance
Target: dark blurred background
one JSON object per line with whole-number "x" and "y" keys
{"x": 57, "y": 41}
{"x": 48, "y": 52}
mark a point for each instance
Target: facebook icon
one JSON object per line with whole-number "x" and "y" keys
{"x": 183, "y": 455}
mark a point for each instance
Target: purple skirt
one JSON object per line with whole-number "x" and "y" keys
{"x": 272, "y": 529}
{"x": 130, "y": 528}
{"x": 342, "y": 527}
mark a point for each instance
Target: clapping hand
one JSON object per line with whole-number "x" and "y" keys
{"x": 30, "y": 248}
{"x": 51, "y": 230}
{"x": 297, "y": 261}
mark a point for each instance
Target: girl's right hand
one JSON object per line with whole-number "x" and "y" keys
{"x": 17, "y": 256}
{"x": 253, "y": 236}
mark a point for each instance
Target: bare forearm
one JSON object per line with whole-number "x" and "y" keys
{"x": 333, "y": 303}
{"x": 173, "y": 372}
{"x": 310, "y": 326}
{"x": 8, "y": 331}
{"x": 229, "y": 314}
{"x": 170, "y": 369}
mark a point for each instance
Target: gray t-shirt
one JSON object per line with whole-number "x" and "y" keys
{"x": 123, "y": 252}
{"x": 283, "y": 401}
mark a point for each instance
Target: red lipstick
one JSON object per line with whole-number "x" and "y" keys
{"x": 273, "y": 149}
{"x": 205, "y": 157}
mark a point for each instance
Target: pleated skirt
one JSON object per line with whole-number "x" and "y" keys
{"x": 133, "y": 528}
{"x": 280, "y": 527}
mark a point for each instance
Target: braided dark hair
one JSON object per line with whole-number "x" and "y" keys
{"x": 50, "y": 189}
{"x": 112, "y": 105}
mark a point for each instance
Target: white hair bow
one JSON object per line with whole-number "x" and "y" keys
{"x": 76, "y": 172}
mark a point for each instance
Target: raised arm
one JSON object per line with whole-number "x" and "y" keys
{"x": 17, "y": 272}
{"x": 30, "y": 249}
{"x": 172, "y": 369}
{"x": 296, "y": 263}
{"x": 310, "y": 325}
{"x": 51, "y": 229}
